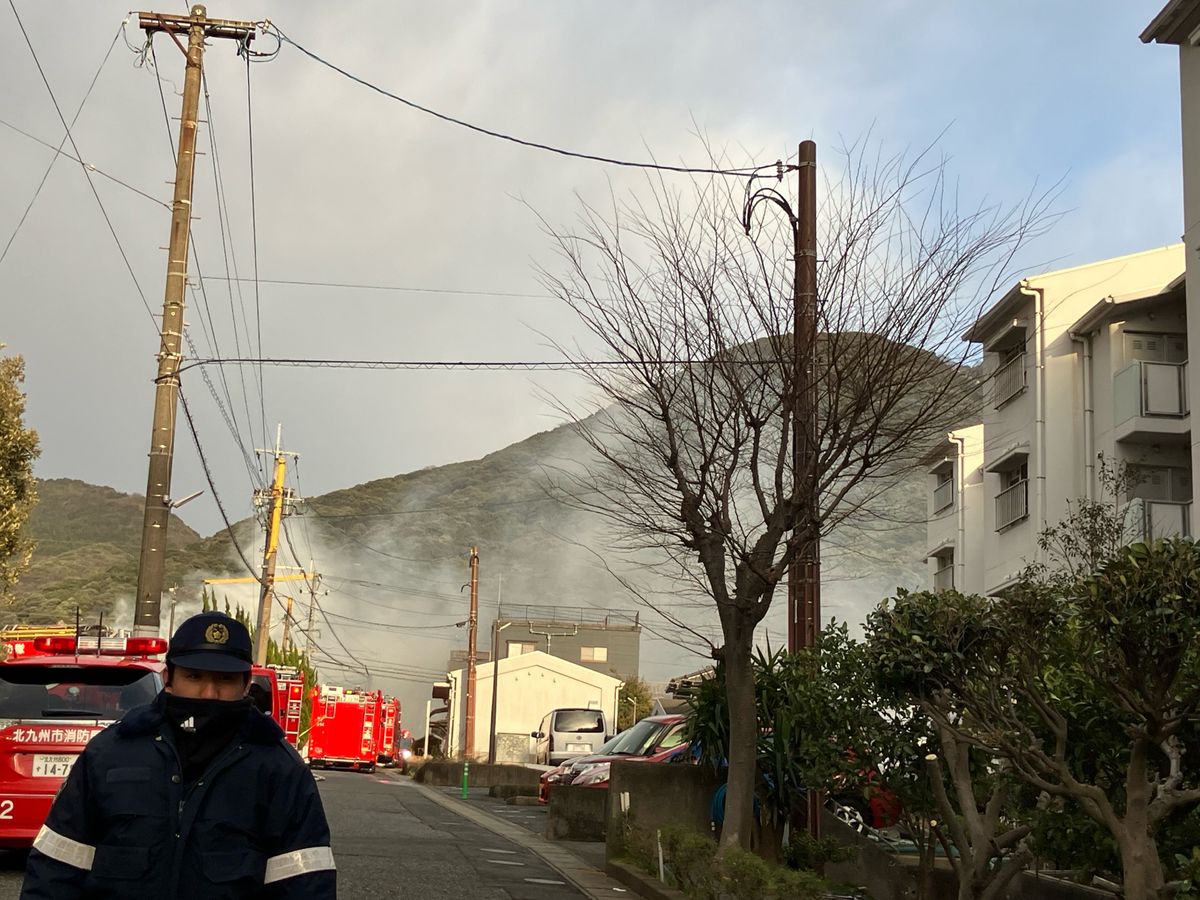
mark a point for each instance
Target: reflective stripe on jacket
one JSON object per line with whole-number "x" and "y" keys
{"x": 123, "y": 825}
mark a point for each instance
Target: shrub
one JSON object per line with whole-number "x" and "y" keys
{"x": 803, "y": 851}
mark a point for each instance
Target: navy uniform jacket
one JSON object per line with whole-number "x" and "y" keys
{"x": 123, "y": 825}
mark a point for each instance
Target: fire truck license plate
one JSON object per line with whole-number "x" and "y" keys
{"x": 46, "y": 765}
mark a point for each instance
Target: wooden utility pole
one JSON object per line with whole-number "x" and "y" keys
{"x": 287, "y": 626}
{"x": 472, "y": 629}
{"x": 152, "y": 561}
{"x": 280, "y": 500}
{"x": 804, "y": 576}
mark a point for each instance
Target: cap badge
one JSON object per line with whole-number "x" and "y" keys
{"x": 216, "y": 633}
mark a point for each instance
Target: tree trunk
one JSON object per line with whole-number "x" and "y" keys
{"x": 1142, "y": 873}
{"x": 743, "y": 740}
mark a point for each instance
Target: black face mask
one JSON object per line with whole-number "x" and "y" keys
{"x": 193, "y": 715}
{"x": 203, "y": 729}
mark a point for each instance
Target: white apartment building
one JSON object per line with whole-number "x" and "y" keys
{"x": 1178, "y": 24}
{"x": 1080, "y": 362}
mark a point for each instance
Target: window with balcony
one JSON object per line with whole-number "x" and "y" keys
{"x": 943, "y": 492}
{"x": 1160, "y": 502}
{"x": 1012, "y": 503}
{"x": 1009, "y": 377}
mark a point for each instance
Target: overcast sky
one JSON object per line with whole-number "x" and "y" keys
{"x": 351, "y": 187}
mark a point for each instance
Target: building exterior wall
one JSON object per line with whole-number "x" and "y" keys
{"x": 1189, "y": 93}
{"x": 1052, "y": 322}
{"x": 529, "y": 687}
{"x": 949, "y": 526}
{"x": 567, "y": 640}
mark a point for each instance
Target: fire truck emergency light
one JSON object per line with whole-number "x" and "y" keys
{"x": 56, "y": 644}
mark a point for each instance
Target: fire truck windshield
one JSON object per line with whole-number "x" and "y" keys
{"x": 57, "y": 691}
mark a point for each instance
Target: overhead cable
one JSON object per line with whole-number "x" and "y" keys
{"x": 536, "y": 145}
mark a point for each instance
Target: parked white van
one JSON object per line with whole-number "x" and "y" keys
{"x": 569, "y": 732}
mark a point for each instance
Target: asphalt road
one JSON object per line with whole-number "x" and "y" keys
{"x": 390, "y": 840}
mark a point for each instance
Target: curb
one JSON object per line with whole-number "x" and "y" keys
{"x": 642, "y": 884}
{"x": 591, "y": 882}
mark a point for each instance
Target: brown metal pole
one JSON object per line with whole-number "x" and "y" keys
{"x": 152, "y": 562}
{"x": 472, "y": 629}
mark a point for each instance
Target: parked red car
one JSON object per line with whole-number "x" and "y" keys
{"x": 653, "y": 739}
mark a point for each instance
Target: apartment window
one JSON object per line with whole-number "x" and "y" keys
{"x": 943, "y": 576}
{"x": 1155, "y": 347}
{"x": 517, "y": 648}
{"x": 943, "y": 492}
{"x": 593, "y": 654}
{"x": 1012, "y": 503}
{"x": 1169, "y": 483}
{"x": 1009, "y": 378}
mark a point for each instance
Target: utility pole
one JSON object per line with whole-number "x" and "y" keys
{"x": 287, "y": 626}
{"x": 804, "y": 575}
{"x": 152, "y": 561}
{"x": 280, "y": 500}
{"x": 312, "y": 604}
{"x": 472, "y": 629}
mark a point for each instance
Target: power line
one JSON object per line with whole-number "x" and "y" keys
{"x": 262, "y": 387}
{"x": 360, "y": 286}
{"x": 58, "y": 150}
{"x": 739, "y": 173}
{"x": 88, "y": 166}
{"x": 429, "y": 365}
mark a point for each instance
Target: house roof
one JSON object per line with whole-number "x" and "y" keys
{"x": 1009, "y": 305}
{"x": 542, "y": 660}
{"x": 1176, "y": 23}
{"x": 1116, "y": 306}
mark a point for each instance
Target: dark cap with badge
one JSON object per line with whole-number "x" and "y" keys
{"x": 211, "y": 642}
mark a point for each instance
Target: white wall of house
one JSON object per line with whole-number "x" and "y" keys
{"x": 956, "y": 508}
{"x": 531, "y": 685}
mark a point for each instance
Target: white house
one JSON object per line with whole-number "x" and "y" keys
{"x": 1078, "y": 363}
{"x": 530, "y": 685}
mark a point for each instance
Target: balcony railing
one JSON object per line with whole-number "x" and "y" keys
{"x": 1145, "y": 388}
{"x": 1012, "y": 504}
{"x": 1009, "y": 380}
{"x": 943, "y": 578}
{"x": 1154, "y": 519}
{"x": 943, "y": 495}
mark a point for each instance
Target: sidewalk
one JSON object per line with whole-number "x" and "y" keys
{"x": 581, "y": 863}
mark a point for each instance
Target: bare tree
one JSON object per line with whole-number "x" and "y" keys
{"x": 692, "y": 427}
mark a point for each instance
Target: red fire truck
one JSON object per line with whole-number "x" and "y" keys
{"x": 389, "y": 754}
{"x": 289, "y": 700}
{"x": 346, "y": 728}
{"x": 56, "y": 692}
{"x": 279, "y": 692}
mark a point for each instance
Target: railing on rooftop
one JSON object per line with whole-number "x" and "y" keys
{"x": 567, "y": 615}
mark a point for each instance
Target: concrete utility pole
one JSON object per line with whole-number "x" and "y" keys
{"x": 804, "y": 575}
{"x": 287, "y": 626}
{"x": 280, "y": 501}
{"x": 472, "y": 632}
{"x": 312, "y": 605}
{"x": 152, "y": 561}
{"x": 496, "y": 629}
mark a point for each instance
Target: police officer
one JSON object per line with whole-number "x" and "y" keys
{"x": 195, "y": 795}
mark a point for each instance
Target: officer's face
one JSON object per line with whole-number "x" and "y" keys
{"x": 200, "y": 685}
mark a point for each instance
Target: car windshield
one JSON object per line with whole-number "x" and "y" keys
{"x": 637, "y": 740}
{"x": 607, "y": 746}
{"x": 580, "y": 721}
{"x": 56, "y": 691}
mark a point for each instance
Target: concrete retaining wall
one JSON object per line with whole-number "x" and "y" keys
{"x": 446, "y": 772}
{"x": 577, "y": 813}
{"x": 657, "y": 795}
